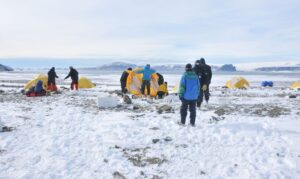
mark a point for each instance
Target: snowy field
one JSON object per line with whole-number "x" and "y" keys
{"x": 240, "y": 134}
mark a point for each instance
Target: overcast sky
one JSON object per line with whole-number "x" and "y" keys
{"x": 160, "y": 31}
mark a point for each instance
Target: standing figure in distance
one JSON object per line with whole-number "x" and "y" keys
{"x": 147, "y": 73}
{"x": 74, "y": 76}
{"x": 204, "y": 73}
{"x": 51, "y": 80}
{"x": 123, "y": 80}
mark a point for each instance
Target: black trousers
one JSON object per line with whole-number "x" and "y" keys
{"x": 160, "y": 94}
{"x": 204, "y": 94}
{"x": 123, "y": 87}
{"x": 191, "y": 105}
{"x": 145, "y": 84}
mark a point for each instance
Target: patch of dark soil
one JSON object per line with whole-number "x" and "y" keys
{"x": 269, "y": 110}
{"x": 139, "y": 159}
{"x": 224, "y": 110}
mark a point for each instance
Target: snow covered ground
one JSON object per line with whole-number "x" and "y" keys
{"x": 250, "y": 133}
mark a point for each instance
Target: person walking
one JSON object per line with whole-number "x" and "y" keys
{"x": 205, "y": 74}
{"x": 123, "y": 79}
{"x": 147, "y": 73}
{"x": 188, "y": 94}
{"x": 74, "y": 76}
{"x": 51, "y": 80}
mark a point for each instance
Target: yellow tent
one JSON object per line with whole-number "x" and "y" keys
{"x": 237, "y": 83}
{"x": 296, "y": 85}
{"x": 31, "y": 83}
{"x": 134, "y": 83}
{"x": 85, "y": 83}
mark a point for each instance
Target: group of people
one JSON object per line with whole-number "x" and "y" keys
{"x": 194, "y": 86}
{"x": 38, "y": 89}
{"x": 52, "y": 79}
{"x": 147, "y": 73}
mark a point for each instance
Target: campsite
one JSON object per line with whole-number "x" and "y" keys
{"x": 245, "y": 131}
{"x": 160, "y": 89}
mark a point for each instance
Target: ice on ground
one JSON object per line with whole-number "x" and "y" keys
{"x": 108, "y": 102}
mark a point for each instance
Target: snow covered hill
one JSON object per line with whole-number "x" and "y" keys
{"x": 5, "y": 68}
{"x": 262, "y": 66}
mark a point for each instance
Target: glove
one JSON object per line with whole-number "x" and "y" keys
{"x": 204, "y": 87}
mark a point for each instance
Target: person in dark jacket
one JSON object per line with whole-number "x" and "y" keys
{"x": 160, "y": 79}
{"x": 74, "y": 76}
{"x": 147, "y": 73}
{"x": 51, "y": 80}
{"x": 204, "y": 73}
{"x": 123, "y": 80}
{"x": 188, "y": 94}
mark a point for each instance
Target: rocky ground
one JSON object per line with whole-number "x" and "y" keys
{"x": 68, "y": 136}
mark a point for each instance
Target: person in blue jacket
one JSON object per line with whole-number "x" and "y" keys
{"x": 147, "y": 73}
{"x": 38, "y": 87}
{"x": 188, "y": 94}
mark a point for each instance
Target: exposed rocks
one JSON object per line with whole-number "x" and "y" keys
{"x": 118, "y": 175}
{"x": 6, "y": 129}
{"x": 127, "y": 99}
{"x": 222, "y": 110}
{"x": 139, "y": 159}
{"x": 202, "y": 173}
{"x": 154, "y": 141}
{"x": 164, "y": 108}
{"x": 154, "y": 128}
{"x": 216, "y": 119}
{"x": 168, "y": 139}
{"x": 271, "y": 111}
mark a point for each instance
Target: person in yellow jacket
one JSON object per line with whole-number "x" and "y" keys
{"x": 162, "y": 90}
